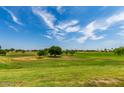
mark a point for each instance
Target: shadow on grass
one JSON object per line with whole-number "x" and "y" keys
{"x": 41, "y": 57}
{"x": 54, "y": 56}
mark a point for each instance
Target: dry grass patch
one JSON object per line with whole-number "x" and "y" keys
{"x": 103, "y": 82}
{"x": 31, "y": 58}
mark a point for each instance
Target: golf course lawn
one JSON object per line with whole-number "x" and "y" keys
{"x": 82, "y": 69}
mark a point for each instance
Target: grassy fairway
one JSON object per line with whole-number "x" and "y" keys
{"x": 82, "y": 69}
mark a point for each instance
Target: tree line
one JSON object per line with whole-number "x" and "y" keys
{"x": 57, "y": 51}
{"x": 52, "y": 51}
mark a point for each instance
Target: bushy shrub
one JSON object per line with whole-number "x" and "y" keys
{"x": 41, "y": 53}
{"x": 71, "y": 52}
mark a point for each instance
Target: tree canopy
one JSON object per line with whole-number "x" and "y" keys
{"x": 119, "y": 51}
{"x": 55, "y": 50}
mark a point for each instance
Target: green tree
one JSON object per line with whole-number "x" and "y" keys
{"x": 55, "y": 50}
{"x": 119, "y": 51}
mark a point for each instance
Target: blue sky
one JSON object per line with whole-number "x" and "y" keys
{"x": 86, "y": 27}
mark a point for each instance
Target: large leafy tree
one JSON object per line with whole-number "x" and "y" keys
{"x": 55, "y": 50}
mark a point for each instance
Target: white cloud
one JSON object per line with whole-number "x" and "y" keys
{"x": 48, "y": 36}
{"x": 14, "y": 18}
{"x": 60, "y": 29}
{"x": 94, "y": 37}
{"x": 13, "y": 28}
{"x": 48, "y": 18}
{"x": 60, "y": 9}
{"x": 72, "y": 29}
{"x": 60, "y": 38}
{"x": 101, "y": 25}
{"x": 57, "y": 30}
{"x": 115, "y": 18}
{"x": 66, "y": 24}
{"x": 61, "y": 34}
{"x": 69, "y": 26}
{"x": 121, "y": 33}
{"x": 88, "y": 32}
{"x": 82, "y": 39}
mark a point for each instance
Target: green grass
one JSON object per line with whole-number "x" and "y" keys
{"x": 82, "y": 69}
{"x": 20, "y": 54}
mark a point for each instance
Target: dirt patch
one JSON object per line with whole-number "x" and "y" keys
{"x": 103, "y": 82}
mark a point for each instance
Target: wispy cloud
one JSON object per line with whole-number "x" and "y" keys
{"x": 13, "y": 28}
{"x": 100, "y": 25}
{"x": 60, "y": 29}
{"x": 48, "y": 18}
{"x": 89, "y": 31}
{"x": 72, "y": 29}
{"x": 57, "y": 30}
{"x": 115, "y": 18}
{"x": 14, "y": 18}
{"x": 48, "y": 36}
{"x": 69, "y": 26}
